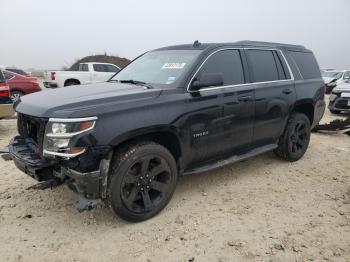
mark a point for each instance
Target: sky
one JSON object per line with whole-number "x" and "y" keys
{"x": 47, "y": 34}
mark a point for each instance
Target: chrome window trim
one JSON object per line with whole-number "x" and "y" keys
{"x": 253, "y": 83}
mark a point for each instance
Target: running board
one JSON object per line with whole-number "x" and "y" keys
{"x": 231, "y": 160}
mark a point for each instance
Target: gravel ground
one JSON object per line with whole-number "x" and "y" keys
{"x": 261, "y": 209}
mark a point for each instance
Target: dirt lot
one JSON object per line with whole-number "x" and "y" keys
{"x": 262, "y": 209}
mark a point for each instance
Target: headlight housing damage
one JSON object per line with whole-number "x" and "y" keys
{"x": 60, "y": 134}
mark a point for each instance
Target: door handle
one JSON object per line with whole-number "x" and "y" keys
{"x": 287, "y": 91}
{"x": 224, "y": 120}
{"x": 245, "y": 98}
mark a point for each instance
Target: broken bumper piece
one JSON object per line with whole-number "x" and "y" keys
{"x": 26, "y": 156}
{"x": 51, "y": 173}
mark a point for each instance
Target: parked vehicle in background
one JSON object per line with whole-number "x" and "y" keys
{"x": 339, "y": 100}
{"x": 88, "y": 73}
{"x": 6, "y": 107}
{"x": 334, "y": 77}
{"x": 176, "y": 110}
{"x": 21, "y": 85}
{"x": 19, "y": 71}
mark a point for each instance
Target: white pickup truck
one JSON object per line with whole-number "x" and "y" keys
{"x": 88, "y": 73}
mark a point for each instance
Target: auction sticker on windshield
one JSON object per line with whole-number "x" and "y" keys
{"x": 173, "y": 65}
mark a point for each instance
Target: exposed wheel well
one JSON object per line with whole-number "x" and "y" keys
{"x": 19, "y": 91}
{"x": 164, "y": 138}
{"x": 307, "y": 109}
{"x": 71, "y": 80}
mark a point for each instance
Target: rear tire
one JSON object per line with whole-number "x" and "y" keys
{"x": 295, "y": 139}
{"x": 143, "y": 178}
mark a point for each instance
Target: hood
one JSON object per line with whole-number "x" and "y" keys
{"x": 83, "y": 100}
{"x": 343, "y": 87}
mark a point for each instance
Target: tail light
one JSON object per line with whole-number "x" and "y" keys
{"x": 53, "y": 75}
{"x": 4, "y": 89}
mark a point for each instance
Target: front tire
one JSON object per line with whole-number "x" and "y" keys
{"x": 295, "y": 139}
{"x": 143, "y": 178}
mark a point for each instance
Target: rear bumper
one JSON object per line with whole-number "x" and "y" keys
{"x": 6, "y": 110}
{"x": 50, "y": 84}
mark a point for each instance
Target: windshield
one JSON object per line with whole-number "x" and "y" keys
{"x": 332, "y": 74}
{"x": 158, "y": 67}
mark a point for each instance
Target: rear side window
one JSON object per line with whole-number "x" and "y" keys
{"x": 226, "y": 62}
{"x": 105, "y": 68}
{"x": 99, "y": 68}
{"x": 265, "y": 65}
{"x": 7, "y": 76}
{"x": 84, "y": 67}
{"x": 306, "y": 64}
{"x": 112, "y": 69}
{"x": 2, "y": 78}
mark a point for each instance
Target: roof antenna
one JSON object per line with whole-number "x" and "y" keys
{"x": 196, "y": 43}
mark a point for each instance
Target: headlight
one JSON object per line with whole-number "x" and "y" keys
{"x": 59, "y": 134}
{"x": 58, "y": 128}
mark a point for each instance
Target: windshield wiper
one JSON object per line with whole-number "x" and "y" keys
{"x": 135, "y": 82}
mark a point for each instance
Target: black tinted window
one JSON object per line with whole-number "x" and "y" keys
{"x": 17, "y": 71}
{"x": 307, "y": 64}
{"x": 105, "y": 68}
{"x": 112, "y": 69}
{"x": 84, "y": 67}
{"x": 7, "y": 76}
{"x": 281, "y": 67}
{"x": 2, "y": 78}
{"x": 226, "y": 62}
{"x": 263, "y": 65}
{"x": 99, "y": 68}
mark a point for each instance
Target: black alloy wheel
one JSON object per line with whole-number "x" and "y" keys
{"x": 299, "y": 138}
{"x": 145, "y": 184}
{"x": 143, "y": 178}
{"x": 295, "y": 139}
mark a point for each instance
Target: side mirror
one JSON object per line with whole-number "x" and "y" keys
{"x": 207, "y": 80}
{"x": 347, "y": 79}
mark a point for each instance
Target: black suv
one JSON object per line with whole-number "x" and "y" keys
{"x": 172, "y": 111}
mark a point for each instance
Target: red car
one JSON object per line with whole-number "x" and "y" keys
{"x": 21, "y": 85}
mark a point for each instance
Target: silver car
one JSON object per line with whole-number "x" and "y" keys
{"x": 339, "y": 100}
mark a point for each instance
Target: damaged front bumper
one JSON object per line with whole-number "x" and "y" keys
{"x": 91, "y": 186}
{"x": 340, "y": 103}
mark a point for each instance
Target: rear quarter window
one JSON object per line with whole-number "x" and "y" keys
{"x": 84, "y": 68}
{"x": 307, "y": 64}
{"x": 7, "y": 76}
{"x": 2, "y": 78}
